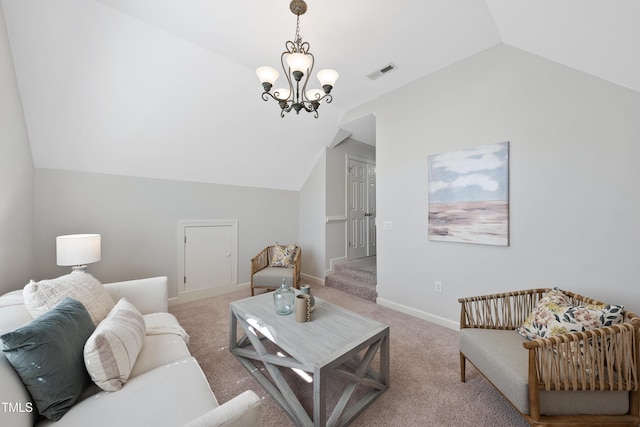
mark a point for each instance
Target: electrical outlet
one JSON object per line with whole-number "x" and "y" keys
{"x": 437, "y": 287}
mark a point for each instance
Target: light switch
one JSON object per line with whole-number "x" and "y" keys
{"x": 387, "y": 225}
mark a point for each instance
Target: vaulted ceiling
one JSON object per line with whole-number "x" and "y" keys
{"x": 167, "y": 88}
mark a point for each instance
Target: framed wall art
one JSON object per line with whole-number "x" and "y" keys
{"x": 469, "y": 195}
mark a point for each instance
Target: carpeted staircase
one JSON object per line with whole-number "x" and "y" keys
{"x": 357, "y": 277}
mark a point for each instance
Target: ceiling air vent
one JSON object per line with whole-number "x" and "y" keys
{"x": 382, "y": 71}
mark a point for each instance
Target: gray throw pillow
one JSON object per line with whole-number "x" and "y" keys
{"x": 47, "y": 354}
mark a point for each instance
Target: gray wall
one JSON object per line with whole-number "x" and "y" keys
{"x": 16, "y": 179}
{"x": 312, "y": 220}
{"x": 574, "y": 182}
{"x": 138, "y": 220}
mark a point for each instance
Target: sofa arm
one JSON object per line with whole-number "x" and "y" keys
{"x": 506, "y": 310}
{"x": 244, "y": 410}
{"x": 148, "y": 295}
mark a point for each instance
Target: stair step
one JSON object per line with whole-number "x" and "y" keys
{"x": 352, "y": 286}
{"x": 359, "y": 271}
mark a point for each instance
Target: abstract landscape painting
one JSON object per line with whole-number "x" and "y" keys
{"x": 469, "y": 195}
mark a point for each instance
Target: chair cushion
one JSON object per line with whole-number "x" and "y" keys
{"x": 271, "y": 277}
{"x": 47, "y": 355}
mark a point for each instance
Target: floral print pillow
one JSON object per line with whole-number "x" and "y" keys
{"x": 282, "y": 256}
{"x": 555, "y": 315}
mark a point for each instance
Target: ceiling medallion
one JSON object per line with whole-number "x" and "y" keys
{"x": 297, "y": 63}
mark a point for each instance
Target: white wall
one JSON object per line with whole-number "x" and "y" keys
{"x": 574, "y": 175}
{"x": 138, "y": 220}
{"x": 16, "y": 178}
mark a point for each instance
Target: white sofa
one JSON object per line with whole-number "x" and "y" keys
{"x": 166, "y": 387}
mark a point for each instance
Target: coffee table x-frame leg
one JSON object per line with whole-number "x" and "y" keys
{"x": 350, "y": 365}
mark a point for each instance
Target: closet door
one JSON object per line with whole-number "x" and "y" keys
{"x": 210, "y": 258}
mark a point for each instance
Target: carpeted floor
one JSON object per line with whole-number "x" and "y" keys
{"x": 425, "y": 375}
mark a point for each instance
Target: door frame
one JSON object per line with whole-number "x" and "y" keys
{"x": 368, "y": 162}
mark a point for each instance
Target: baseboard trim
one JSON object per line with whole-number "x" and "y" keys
{"x": 333, "y": 261}
{"x": 311, "y": 279}
{"x": 419, "y": 314}
{"x": 206, "y": 293}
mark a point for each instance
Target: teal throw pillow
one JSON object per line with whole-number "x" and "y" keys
{"x": 47, "y": 354}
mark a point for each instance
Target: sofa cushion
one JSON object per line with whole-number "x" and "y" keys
{"x": 555, "y": 315}
{"x": 170, "y": 395}
{"x": 47, "y": 355}
{"x": 40, "y": 297}
{"x": 165, "y": 343}
{"x": 283, "y": 255}
{"x": 112, "y": 350}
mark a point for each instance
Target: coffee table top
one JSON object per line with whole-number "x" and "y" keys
{"x": 332, "y": 331}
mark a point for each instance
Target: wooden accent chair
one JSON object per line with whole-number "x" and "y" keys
{"x": 268, "y": 268}
{"x": 587, "y": 378}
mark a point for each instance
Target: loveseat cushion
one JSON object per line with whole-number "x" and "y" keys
{"x": 47, "y": 355}
{"x": 112, "y": 350}
{"x": 40, "y": 297}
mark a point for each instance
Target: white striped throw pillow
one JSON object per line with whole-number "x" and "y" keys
{"x": 111, "y": 351}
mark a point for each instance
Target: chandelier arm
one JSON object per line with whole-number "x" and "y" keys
{"x": 265, "y": 96}
{"x": 327, "y": 98}
{"x": 287, "y": 73}
{"x": 306, "y": 80}
{"x": 290, "y": 46}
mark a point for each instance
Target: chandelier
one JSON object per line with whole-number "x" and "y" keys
{"x": 298, "y": 68}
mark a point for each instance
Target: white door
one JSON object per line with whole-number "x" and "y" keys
{"x": 208, "y": 257}
{"x": 357, "y": 206}
{"x": 371, "y": 209}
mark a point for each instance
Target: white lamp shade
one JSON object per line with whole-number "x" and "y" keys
{"x": 328, "y": 77}
{"x": 282, "y": 93}
{"x": 267, "y": 74}
{"x": 299, "y": 62}
{"x": 314, "y": 94}
{"x": 77, "y": 249}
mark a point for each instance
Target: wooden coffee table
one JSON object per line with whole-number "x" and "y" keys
{"x": 336, "y": 342}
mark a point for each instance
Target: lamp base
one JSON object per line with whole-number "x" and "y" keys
{"x": 79, "y": 268}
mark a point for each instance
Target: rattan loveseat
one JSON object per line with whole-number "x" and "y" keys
{"x": 577, "y": 378}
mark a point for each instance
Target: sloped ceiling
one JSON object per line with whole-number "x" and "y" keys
{"x": 167, "y": 88}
